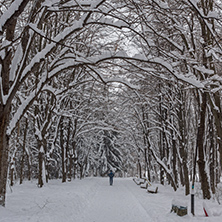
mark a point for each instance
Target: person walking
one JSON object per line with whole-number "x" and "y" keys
{"x": 111, "y": 175}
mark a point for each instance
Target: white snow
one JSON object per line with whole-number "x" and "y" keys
{"x": 8, "y": 14}
{"x": 19, "y": 113}
{"x": 204, "y": 70}
{"x": 93, "y": 200}
{"x": 16, "y": 62}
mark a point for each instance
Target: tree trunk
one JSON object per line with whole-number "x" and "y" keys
{"x": 184, "y": 169}
{"x": 161, "y": 157}
{"x": 23, "y": 151}
{"x": 200, "y": 147}
{"x": 22, "y": 164}
{"x": 5, "y": 109}
{"x": 212, "y": 154}
{"x": 63, "y": 152}
{"x": 68, "y": 153}
{"x": 147, "y": 170}
{"x": 40, "y": 179}
{"x": 139, "y": 168}
{"x": 12, "y": 174}
{"x": 4, "y": 148}
{"x": 175, "y": 173}
{"x": 218, "y": 120}
{"x": 29, "y": 169}
{"x": 74, "y": 159}
{"x": 183, "y": 142}
{"x": 207, "y": 61}
{"x": 162, "y": 147}
{"x": 74, "y": 148}
{"x": 70, "y": 167}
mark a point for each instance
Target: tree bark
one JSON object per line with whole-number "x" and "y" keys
{"x": 218, "y": 120}
{"x": 212, "y": 154}
{"x": 182, "y": 142}
{"x": 12, "y": 173}
{"x": 4, "y": 148}
{"x": 23, "y": 151}
{"x": 139, "y": 168}
{"x": 175, "y": 173}
{"x": 200, "y": 147}
{"x": 63, "y": 151}
{"x": 40, "y": 175}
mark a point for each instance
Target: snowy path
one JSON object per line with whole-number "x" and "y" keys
{"x": 115, "y": 203}
{"x": 93, "y": 200}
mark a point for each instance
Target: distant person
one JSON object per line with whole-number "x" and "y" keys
{"x": 111, "y": 175}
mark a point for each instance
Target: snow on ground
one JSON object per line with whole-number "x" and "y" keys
{"x": 93, "y": 200}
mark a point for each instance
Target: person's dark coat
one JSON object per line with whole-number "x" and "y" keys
{"x": 111, "y": 175}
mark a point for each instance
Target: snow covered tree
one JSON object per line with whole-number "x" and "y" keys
{"x": 179, "y": 41}
{"x": 53, "y": 63}
{"x": 39, "y": 42}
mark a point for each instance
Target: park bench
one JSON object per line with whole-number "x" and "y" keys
{"x": 179, "y": 207}
{"x": 144, "y": 184}
{"x": 139, "y": 181}
{"x": 152, "y": 191}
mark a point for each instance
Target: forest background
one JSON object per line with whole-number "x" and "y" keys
{"x": 89, "y": 86}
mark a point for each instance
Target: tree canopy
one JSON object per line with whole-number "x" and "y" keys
{"x": 132, "y": 86}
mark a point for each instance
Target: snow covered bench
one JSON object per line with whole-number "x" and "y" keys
{"x": 179, "y": 207}
{"x": 179, "y": 210}
{"x": 152, "y": 190}
{"x": 144, "y": 185}
{"x": 139, "y": 181}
